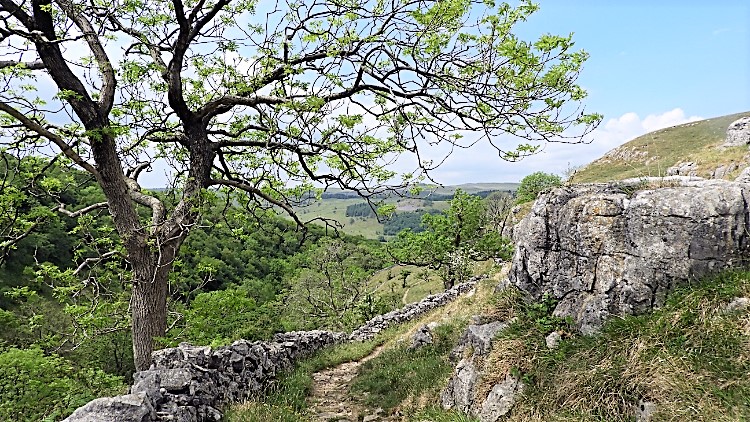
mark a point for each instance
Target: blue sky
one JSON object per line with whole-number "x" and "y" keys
{"x": 653, "y": 64}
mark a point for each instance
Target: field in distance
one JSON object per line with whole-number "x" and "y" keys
{"x": 334, "y": 205}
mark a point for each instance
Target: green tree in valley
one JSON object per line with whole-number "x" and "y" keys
{"x": 331, "y": 285}
{"x": 266, "y": 101}
{"x": 452, "y": 240}
{"x": 535, "y": 183}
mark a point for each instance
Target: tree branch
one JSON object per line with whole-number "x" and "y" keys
{"x": 257, "y": 192}
{"x": 35, "y": 65}
{"x": 75, "y": 214}
{"x": 56, "y": 139}
{"x": 90, "y": 261}
{"x": 107, "y": 93}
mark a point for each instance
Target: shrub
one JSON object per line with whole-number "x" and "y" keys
{"x": 37, "y": 387}
{"x": 533, "y": 184}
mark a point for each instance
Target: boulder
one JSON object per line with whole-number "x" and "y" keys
{"x": 421, "y": 338}
{"x": 501, "y": 399}
{"x": 553, "y": 340}
{"x": 479, "y": 337}
{"x": 688, "y": 168}
{"x": 620, "y": 248}
{"x": 738, "y": 133}
{"x": 738, "y": 304}
{"x": 459, "y": 393}
{"x": 128, "y": 408}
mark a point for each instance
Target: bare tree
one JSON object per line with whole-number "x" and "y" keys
{"x": 268, "y": 100}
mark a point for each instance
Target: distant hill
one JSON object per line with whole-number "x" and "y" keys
{"x": 653, "y": 153}
{"x": 335, "y": 203}
{"x": 430, "y": 190}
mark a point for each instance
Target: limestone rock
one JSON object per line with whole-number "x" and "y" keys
{"x": 744, "y": 177}
{"x": 459, "y": 394}
{"x": 128, "y": 408}
{"x": 553, "y": 340}
{"x": 644, "y": 411}
{"x": 479, "y": 337}
{"x": 614, "y": 249}
{"x": 688, "y": 168}
{"x": 501, "y": 399}
{"x": 421, "y": 338}
{"x": 724, "y": 170}
{"x": 738, "y": 304}
{"x": 511, "y": 219}
{"x": 738, "y": 133}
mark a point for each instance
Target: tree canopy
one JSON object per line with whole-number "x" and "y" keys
{"x": 268, "y": 100}
{"x": 452, "y": 240}
{"x": 534, "y": 184}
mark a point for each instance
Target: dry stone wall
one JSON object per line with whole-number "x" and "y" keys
{"x": 193, "y": 383}
{"x": 372, "y": 327}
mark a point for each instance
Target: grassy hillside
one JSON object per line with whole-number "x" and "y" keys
{"x": 652, "y": 153}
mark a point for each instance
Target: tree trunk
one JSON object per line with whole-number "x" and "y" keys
{"x": 450, "y": 278}
{"x": 148, "y": 302}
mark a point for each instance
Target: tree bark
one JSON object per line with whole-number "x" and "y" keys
{"x": 148, "y": 301}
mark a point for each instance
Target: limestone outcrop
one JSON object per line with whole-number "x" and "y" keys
{"x": 620, "y": 248}
{"x": 738, "y": 133}
{"x": 462, "y": 393}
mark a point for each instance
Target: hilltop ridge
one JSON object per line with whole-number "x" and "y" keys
{"x": 654, "y": 153}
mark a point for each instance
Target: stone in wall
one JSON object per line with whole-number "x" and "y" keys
{"x": 620, "y": 248}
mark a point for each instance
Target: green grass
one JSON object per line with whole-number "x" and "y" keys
{"x": 653, "y": 153}
{"x": 420, "y": 282}
{"x": 401, "y": 373}
{"x": 286, "y": 400}
{"x": 368, "y": 227}
{"x": 689, "y": 357}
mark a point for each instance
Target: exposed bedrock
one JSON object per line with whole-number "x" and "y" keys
{"x": 620, "y": 248}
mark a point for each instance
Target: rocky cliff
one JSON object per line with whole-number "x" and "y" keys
{"x": 620, "y": 248}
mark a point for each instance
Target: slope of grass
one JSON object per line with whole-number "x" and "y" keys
{"x": 691, "y": 358}
{"x": 653, "y": 153}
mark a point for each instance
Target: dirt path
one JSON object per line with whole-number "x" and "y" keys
{"x": 330, "y": 400}
{"x": 406, "y": 293}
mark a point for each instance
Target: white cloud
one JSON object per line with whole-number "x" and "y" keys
{"x": 481, "y": 164}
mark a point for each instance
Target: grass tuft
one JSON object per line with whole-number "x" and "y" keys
{"x": 690, "y": 357}
{"x": 401, "y": 373}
